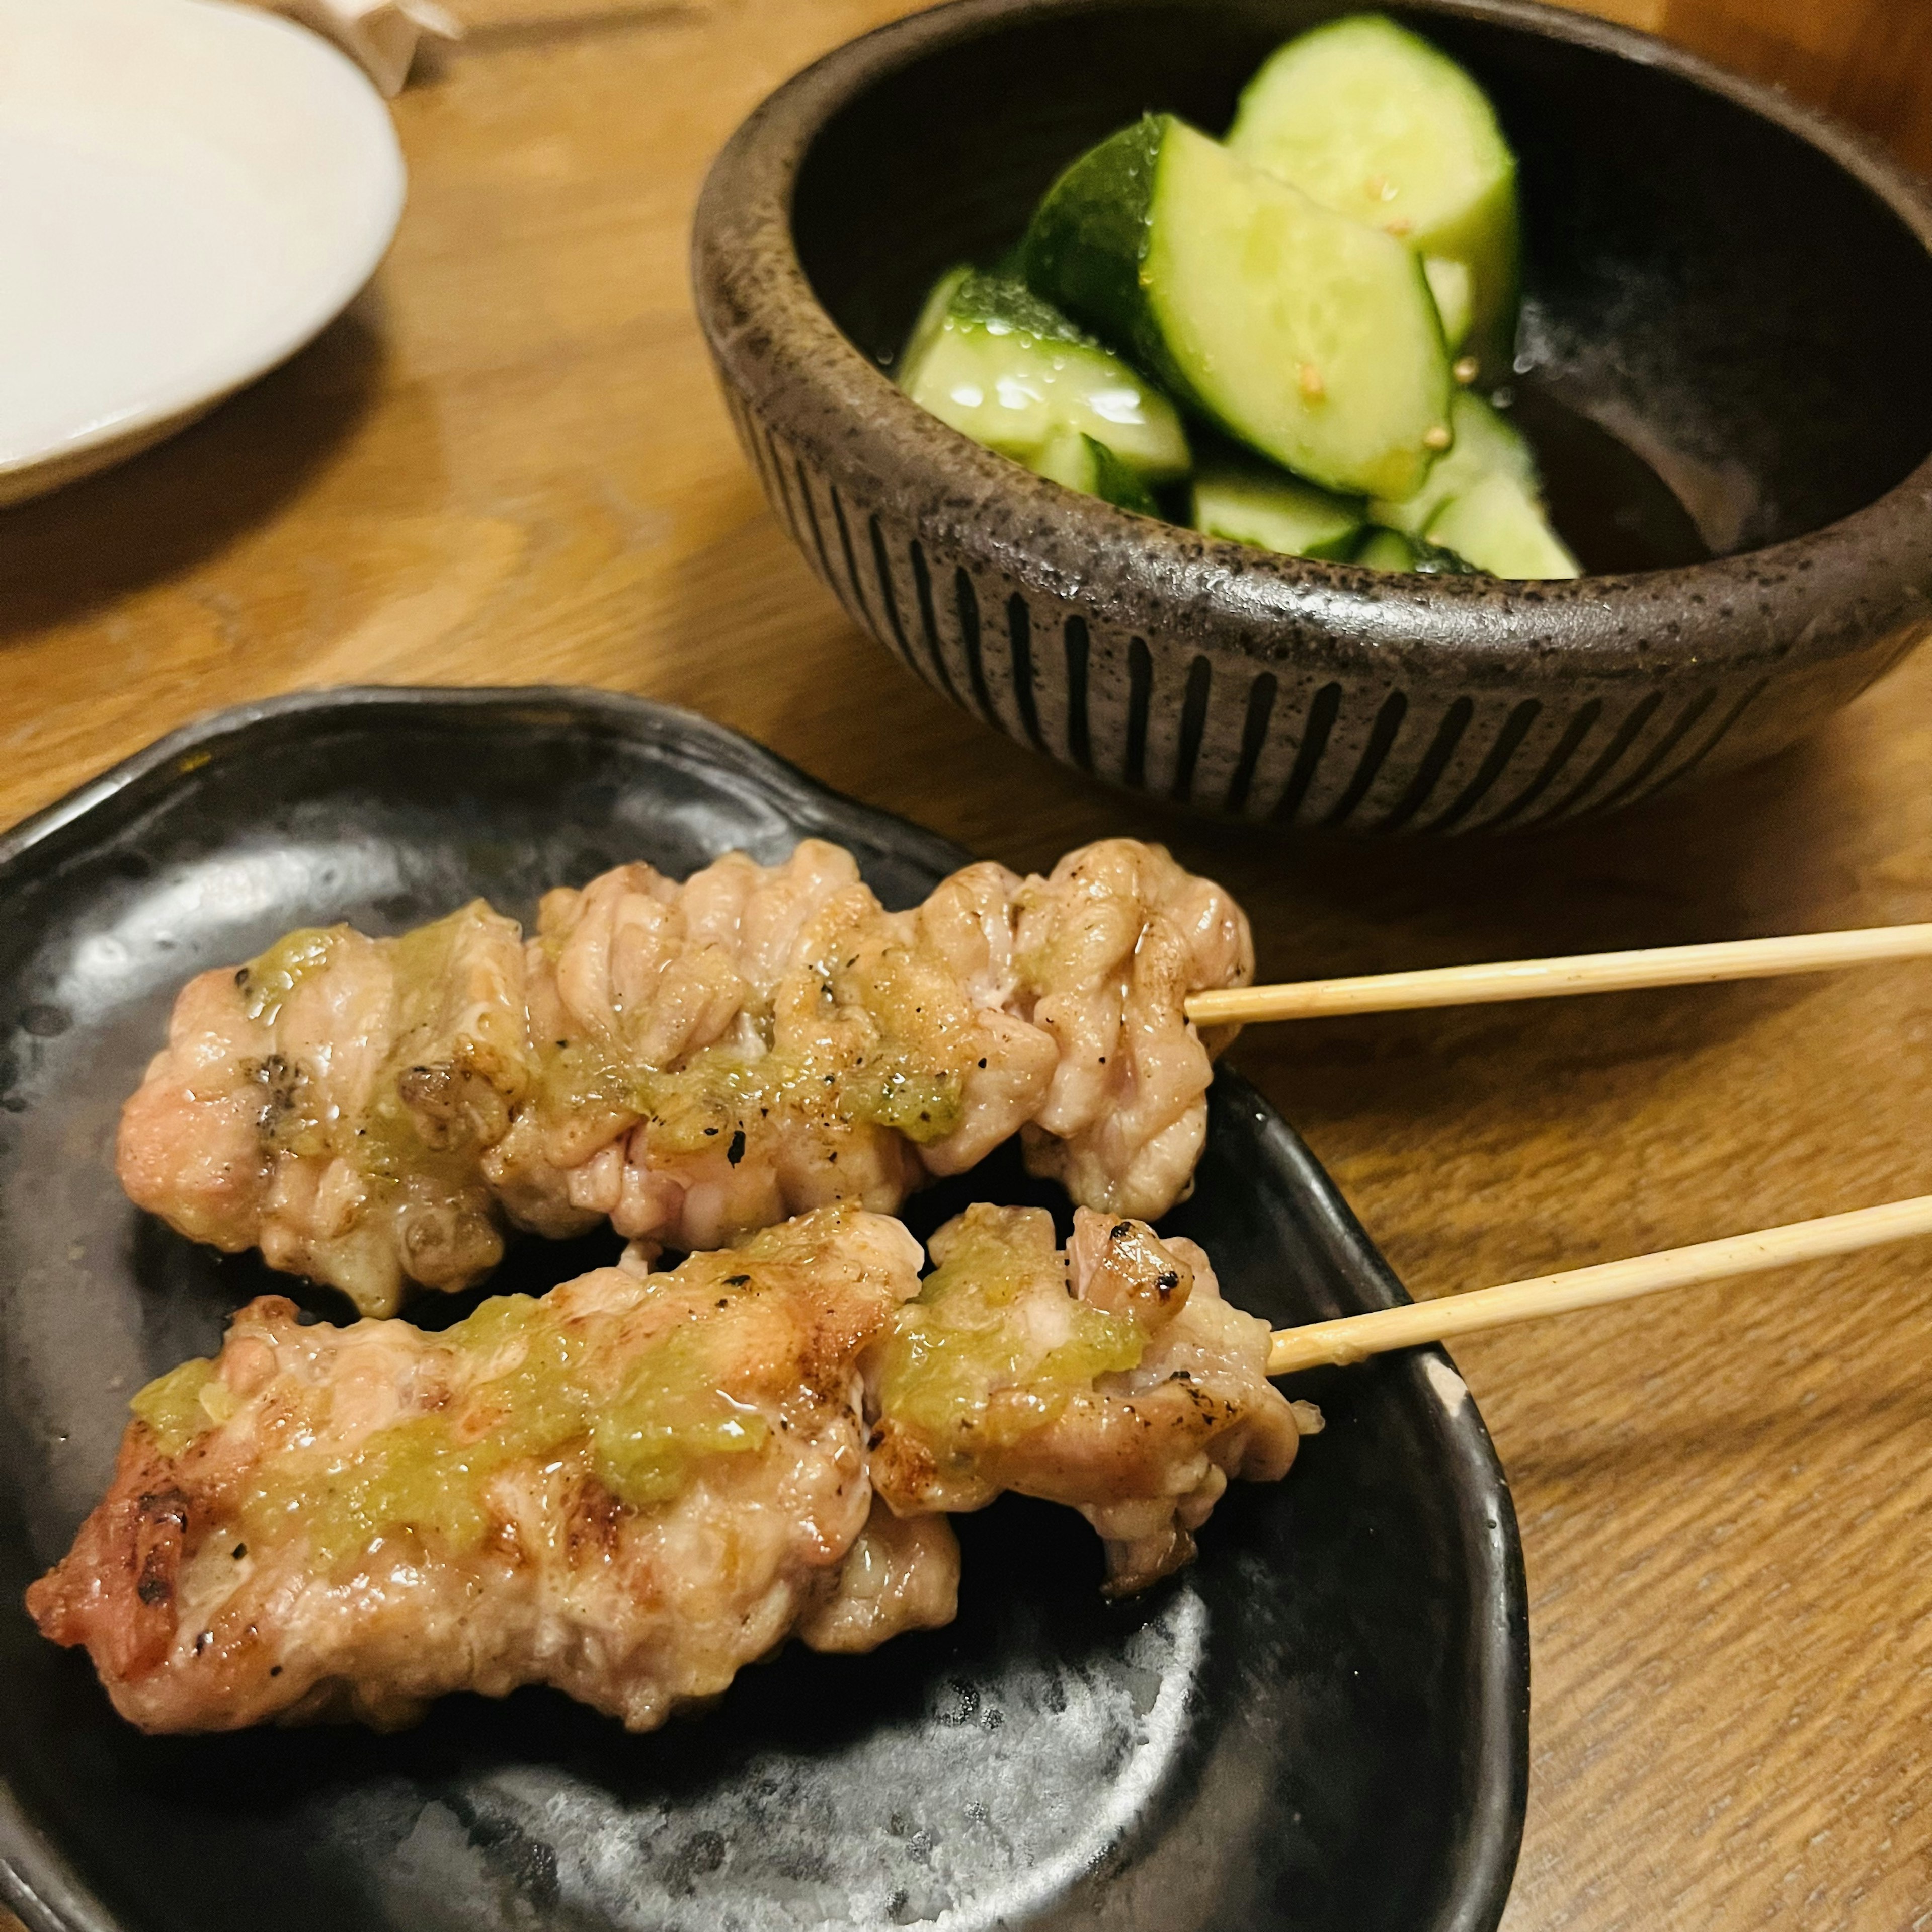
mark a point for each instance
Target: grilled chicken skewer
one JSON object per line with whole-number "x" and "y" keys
{"x": 692, "y": 1061}
{"x": 1112, "y": 1378}
{"x": 628, "y": 1489}
{"x": 641, "y": 1482}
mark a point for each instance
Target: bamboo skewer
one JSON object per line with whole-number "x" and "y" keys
{"x": 1355, "y": 1337}
{"x": 1551, "y": 979}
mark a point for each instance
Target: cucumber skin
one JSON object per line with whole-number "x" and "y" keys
{"x": 965, "y": 298}
{"x": 1385, "y": 550}
{"x": 992, "y": 297}
{"x": 1078, "y": 461}
{"x": 1435, "y": 560}
{"x": 1115, "y": 482}
{"x": 1106, "y": 197}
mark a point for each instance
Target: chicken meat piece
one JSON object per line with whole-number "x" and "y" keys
{"x": 760, "y": 1042}
{"x": 690, "y": 1061}
{"x": 902, "y": 1573}
{"x": 628, "y": 1489}
{"x": 330, "y": 1104}
{"x": 1114, "y": 941}
{"x": 1112, "y": 1377}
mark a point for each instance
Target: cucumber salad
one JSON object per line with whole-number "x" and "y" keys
{"x": 1275, "y": 336}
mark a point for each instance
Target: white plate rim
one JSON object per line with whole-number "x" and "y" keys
{"x": 176, "y": 404}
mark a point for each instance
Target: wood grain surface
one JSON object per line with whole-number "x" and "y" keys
{"x": 508, "y": 463}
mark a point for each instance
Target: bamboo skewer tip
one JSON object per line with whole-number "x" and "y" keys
{"x": 1353, "y": 1338}
{"x": 1630, "y": 971}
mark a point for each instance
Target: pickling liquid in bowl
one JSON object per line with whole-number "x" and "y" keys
{"x": 1607, "y": 503}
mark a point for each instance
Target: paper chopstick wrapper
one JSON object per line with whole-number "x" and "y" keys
{"x": 381, "y": 36}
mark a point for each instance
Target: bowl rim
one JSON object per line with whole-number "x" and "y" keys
{"x": 776, "y": 342}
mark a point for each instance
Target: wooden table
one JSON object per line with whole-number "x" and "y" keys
{"x": 508, "y": 464}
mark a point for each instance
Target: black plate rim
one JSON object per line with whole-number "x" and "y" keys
{"x": 39, "y": 1883}
{"x": 677, "y": 732}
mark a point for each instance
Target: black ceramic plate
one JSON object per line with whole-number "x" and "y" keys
{"x": 1323, "y": 1724}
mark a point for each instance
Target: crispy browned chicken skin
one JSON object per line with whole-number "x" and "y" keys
{"x": 634, "y": 1486}
{"x": 692, "y": 1061}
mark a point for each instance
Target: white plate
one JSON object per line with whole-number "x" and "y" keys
{"x": 189, "y": 192}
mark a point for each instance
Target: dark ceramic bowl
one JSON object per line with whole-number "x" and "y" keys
{"x": 1737, "y": 290}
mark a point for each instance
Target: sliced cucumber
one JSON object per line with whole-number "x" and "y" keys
{"x": 1386, "y": 550}
{"x": 1506, "y": 533}
{"x": 1487, "y": 444}
{"x": 1453, "y": 288}
{"x": 1247, "y": 503}
{"x": 932, "y": 314}
{"x": 1372, "y": 120}
{"x": 989, "y": 357}
{"x": 1077, "y": 459}
{"x": 1389, "y": 550}
{"x": 1499, "y": 526}
{"x": 1310, "y": 338}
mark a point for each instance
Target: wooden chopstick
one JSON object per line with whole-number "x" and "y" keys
{"x": 1355, "y": 1337}
{"x": 1552, "y": 979}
